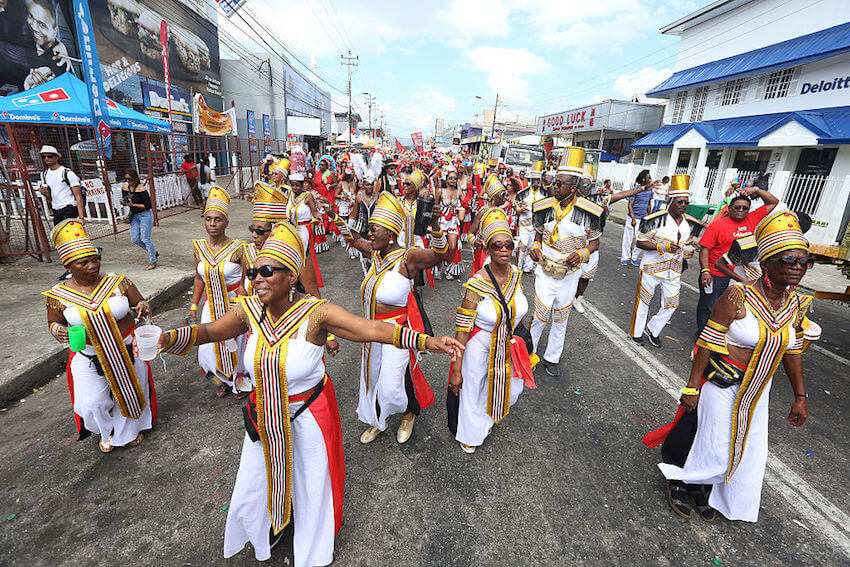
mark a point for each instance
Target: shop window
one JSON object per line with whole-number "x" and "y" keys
{"x": 733, "y": 91}
{"x": 684, "y": 159}
{"x": 751, "y": 160}
{"x": 679, "y": 107}
{"x": 700, "y": 96}
{"x": 815, "y": 161}
{"x": 779, "y": 83}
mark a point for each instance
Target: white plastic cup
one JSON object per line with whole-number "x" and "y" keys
{"x": 147, "y": 339}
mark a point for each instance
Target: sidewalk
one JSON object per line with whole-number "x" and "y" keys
{"x": 31, "y": 357}
{"x": 823, "y": 277}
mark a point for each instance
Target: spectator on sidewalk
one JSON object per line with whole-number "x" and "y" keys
{"x": 61, "y": 187}
{"x": 141, "y": 214}
{"x": 718, "y": 238}
{"x": 638, "y": 208}
{"x": 204, "y": 177}
{"x": 190, "y": 170}
{"x": 659, "y": 194}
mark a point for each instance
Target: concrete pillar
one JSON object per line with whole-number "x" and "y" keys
{"x": 700, "y": 171}
{"x": 674, "y": 159}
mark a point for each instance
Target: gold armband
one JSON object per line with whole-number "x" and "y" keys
{"x": 690, "y": 391}
{"x": 408, "y": 339}
{"x": 439, "y": 242}
{"x": 584, "y": 254}
{"x": 55, "y": 331}
{"x": 181, "y": 341}
{"x": 464, "y": 319}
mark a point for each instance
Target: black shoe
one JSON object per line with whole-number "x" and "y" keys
{"x": 677, "y": 497}
{"x": 638, "y": 340}
{"x": 699, "y": 493}
{"x": 551, "y": 368}
{"x": 64, "y": 276}
{"x": 654, "y": 341}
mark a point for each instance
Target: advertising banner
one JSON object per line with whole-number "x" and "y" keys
{"x": 417, "y": 141}
{"x": 129, "y": 40}
{"x": 584, "y": 118}
{"x": 209, "y": 121}
{"x": 154, "y": 98}
{"x": 252, "y": 131}
{"x": 267, "y": 131}
{"x": 163, "y": 46}
{"x": 36, "y": 44}
{"x": 91, "y": 73}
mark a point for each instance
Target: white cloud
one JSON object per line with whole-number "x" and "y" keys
{"x": 506, "y": 69}
{"x": 470, "y": 19}
{"x": 419, "y": 110}
{"x": 641, "y": 81}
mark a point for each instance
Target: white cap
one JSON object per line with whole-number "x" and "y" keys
{"x": 49, "y": 150}
{"x": 296, "y": 177}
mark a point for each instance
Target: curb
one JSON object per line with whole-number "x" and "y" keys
{"x": 47, "y": 367}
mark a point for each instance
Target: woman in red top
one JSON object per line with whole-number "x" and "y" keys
{"x": 716, "y": 240}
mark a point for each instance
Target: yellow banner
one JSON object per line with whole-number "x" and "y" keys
{"x": 209, "y": 121}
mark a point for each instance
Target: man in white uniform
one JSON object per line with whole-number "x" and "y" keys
{"x": 568, "y": 229}
{"x": 525, "y": 231}
{"x": 666, "y": 237}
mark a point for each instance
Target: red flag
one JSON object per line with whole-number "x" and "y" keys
{"x": 398, "y": 145}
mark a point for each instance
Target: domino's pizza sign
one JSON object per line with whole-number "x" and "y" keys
{"x": 54, "y": 95}
{"x": 92, "y": 75}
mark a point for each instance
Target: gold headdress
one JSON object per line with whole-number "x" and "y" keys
{"x": 572, "y": 161}
{"x": 494, "y": 222}
{"x": 71, "y": 241}
{"x": 284, "y": 245}
{"x": 779, "y": 233}
{"x": 388, "y": 213}
{"x": 679, "y": 186}
{"x": 218, "y": 200}
{"x": 269, "y": 203}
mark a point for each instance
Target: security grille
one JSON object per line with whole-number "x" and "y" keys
{"x": 732, "y": 91}
{"x": 779, "y": 83}
{"x": 679, "y": 106}
{"x": 700, "y": 96}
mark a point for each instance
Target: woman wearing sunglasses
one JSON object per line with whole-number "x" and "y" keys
{"x": 389, "y": 375}
{"x": 495, "y": 364}
{"x": 289, "y": 486}
{"x": 754, "y": 327}
{"x": 112, "y": 392}
{"x": 452, "y": 213}
{"x": 219, "y": 270}
{"x": 304, "y": 214}
{"x": 136, "y": 197}
{"x": 269, "y": 209}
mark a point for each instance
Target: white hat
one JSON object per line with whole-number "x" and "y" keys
{"x": 49, "y": 150}
{"x": 369, "y": 177}
{"x": 296, "y": 177}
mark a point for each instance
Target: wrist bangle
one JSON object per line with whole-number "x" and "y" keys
{"x": 801, "y": 395}
{"x": 331, "y": 337}
{"x": 704, "y": 270}
{"x": 688, "y": 391}
{"x": 194, "y": 307}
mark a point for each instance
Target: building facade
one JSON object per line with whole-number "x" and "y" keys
{"x": 772, "y": 98}
{"x": 610, "y": 125}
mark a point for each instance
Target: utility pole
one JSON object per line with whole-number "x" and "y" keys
{"x": 495, "y": 108}
{"x": 370, "y": 100}
{"x": 350, "y": 62}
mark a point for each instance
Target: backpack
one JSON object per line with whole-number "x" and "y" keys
{"x": 64, "y": 180}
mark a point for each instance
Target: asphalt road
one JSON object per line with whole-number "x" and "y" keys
{"x": 563, "y": 480}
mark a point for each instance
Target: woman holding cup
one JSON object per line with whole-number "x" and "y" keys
{"x": 112, "y": 392}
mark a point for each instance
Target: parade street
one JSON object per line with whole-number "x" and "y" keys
{"x": 564, "y": 479}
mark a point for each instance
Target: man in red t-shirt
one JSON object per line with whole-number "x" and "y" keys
{"x": 718, "y": 238}
{"x": 190, "y": 169}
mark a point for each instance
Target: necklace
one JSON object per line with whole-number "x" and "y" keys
{"x": 773, "y": 310}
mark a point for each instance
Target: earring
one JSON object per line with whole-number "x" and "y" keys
{"x": 392, "y": 241}
{"x": 767, "y": 281}
{"x": 291, "y": 293}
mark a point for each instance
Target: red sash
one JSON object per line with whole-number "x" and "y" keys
{"x": 311, "y": 244}
{"x": 424, "y": 393}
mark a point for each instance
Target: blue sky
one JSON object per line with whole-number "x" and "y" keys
{"x": 424, "y": 60}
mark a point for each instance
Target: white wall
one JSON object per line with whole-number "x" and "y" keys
{"x": 754, "y": 25}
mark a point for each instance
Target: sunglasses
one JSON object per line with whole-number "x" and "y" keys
{"x": 265, "y": 271}
{"x": 49, "y": 156}
{"x": 258, "y": 231}
{"x": 788, "y": 260}
{"x": 507, "y": 245}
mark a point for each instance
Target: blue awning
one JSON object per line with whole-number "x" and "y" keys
{"x": 818, "y": 45}
{"x": 830, "y": 125}
{"x": 64, "y": 100}
{"x": 664, "y": 136}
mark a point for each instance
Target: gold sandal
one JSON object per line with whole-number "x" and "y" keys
{"x": 137, "y": 440}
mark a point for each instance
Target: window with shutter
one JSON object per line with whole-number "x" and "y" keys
{"x": 779, "y": 83}
{"x": 732, "y": 91}
{"x": 698, "y": 107}
{"x": 679, "y": 107}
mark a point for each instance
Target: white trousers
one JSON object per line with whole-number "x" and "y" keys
{"x": 552, "y": 298}
{"x": 386, "y": 394}
{"x": 630, "y": 251}
{"x": 645, "y": 292}
{"x": 526, "y": 239}
{"x": 709, "y": 456}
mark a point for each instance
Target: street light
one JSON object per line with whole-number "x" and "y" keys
{"x": 495, "y": 108}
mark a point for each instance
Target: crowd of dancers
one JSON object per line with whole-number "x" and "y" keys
{"x": 261, "y": 326}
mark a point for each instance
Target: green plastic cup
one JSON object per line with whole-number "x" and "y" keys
{"x": 77, "y": 338}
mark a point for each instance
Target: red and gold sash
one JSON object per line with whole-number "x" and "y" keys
{"x": 380, "y": 267}
{"x": 273, "y": 424}
{"x": 499, "y": 365}
{"x": 768, "y": 353}
{"x": 103, "y": 333}
{"x": 218, "y": 298}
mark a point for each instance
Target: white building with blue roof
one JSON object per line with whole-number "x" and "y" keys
{"x": 762, "y": 86}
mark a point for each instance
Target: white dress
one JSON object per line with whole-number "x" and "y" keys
{"x": 93, "y": 400}
{"x": 248, "y": 519}
{"x": 206, "y": 352}
{"x": 474, "y": 423}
